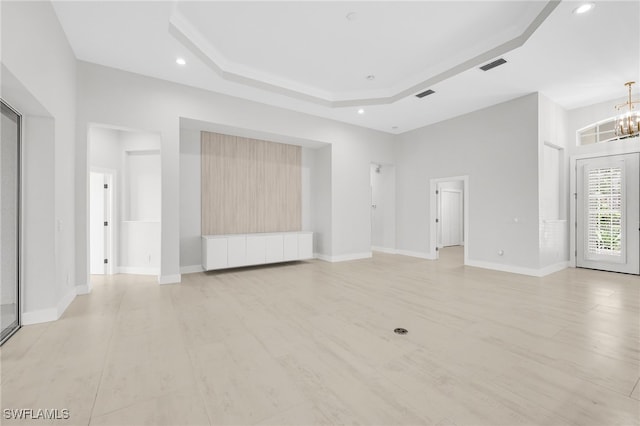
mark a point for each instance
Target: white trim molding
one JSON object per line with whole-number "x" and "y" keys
{"x": 344, "y": 257}
{"x": 191, "y": 269}
{"x": 541, "y": 272}
{"x": 64, "y": 303}
{"x": 49, "y": 314}
{"x": 418, "y": 254}
{"x": 134, "y": 270}
{"x": 556, "y": 267}
{"x": 84, "y": 289}
{"x": 169, "y": 279}
{"x": 384, "y": 249}
{"x": 40, "y": 316}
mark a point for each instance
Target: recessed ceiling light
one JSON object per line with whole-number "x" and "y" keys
{"x": 584, "y": 8}
{"x": 351, "y": 16}
{"x": 181, "y": 61}
{"x": 371, "y": 77}
{"x": 360, "y": 111}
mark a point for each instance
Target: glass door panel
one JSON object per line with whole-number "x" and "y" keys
{"x": 9, "y": 223}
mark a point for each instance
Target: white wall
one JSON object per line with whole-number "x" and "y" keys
{"x": 128, "y": 100}
{"x": 383, "y": 216}
{"x": 140, "y": 247}
{"x": 553, "y": 178}
{"x": 105, "y": 149}
{"x": 39, "y": 225}
{"x": 190, "y": 208}
{"x": 351, "y": 192}
{"x": 306, "y": 163}
{"x": 321, "y": 203}
{"x": 142, "y": 190}
{"x": 497, "y": 147}
{"x": 140, "y": 235}
{"x": 42, "y": 83}
{"x": 454, "y": 184}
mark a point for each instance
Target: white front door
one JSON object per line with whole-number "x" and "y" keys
{"x": 608, "y": 213}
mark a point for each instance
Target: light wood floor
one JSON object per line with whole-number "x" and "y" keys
{"x": 313, "y": 343}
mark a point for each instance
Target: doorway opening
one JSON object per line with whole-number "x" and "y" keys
{"x": 124, "y": 200}
{"x": 449, "y": 218}
{"x": 383, "y": 207}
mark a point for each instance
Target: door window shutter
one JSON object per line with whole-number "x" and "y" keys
{"x": 604, "y": 212}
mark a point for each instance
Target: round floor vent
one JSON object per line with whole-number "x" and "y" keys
{"x": 400, "y": 331}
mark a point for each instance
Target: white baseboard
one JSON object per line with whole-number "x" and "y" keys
{"x": 169, "y": 279}
{"x": 384, "y": 249}
{"x": 64, "y": 303}
{"x": 191, "y": 269}
{"x": 49, "y": 314}
{"x": 39, "y": 316}
{"x": 419, "y": 254}
{"x": 83, "y": 289}
{"x": 532, "y": 272}
{"x": 323, "y": 257}
{"x": 556, "y": 267}
{"x": 134, "y": 270}
{"x": 344, "y": 257}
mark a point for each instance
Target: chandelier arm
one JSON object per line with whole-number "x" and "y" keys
{"x": 627, "y": 124}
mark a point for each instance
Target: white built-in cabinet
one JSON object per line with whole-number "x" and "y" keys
{"x": 231, "y": 251}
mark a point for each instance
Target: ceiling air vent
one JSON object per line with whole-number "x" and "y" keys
{"x": 425, "y": 93}
{"x": 493, "y": 64}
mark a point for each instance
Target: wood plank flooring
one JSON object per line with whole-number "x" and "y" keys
{"x": 312, "y": 343}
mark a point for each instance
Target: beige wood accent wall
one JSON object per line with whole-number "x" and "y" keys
{"x": 249, "y": 185}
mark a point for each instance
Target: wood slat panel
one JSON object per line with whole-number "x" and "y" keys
{"x": 249, "y": 185}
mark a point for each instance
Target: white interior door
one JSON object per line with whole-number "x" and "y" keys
{"x": 97, "y": 252}
{"x": 451, "y": 217}
{"x": 608, "y": 213}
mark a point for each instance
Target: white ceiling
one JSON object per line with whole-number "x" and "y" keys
{"x": 307, "y": 56}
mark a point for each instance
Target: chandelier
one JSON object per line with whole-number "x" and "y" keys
{"x": 628, "y": 123}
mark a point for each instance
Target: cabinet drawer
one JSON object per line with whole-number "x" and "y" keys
{"x": 255, "y": 250}
{"x": 290, "y": 247}
{"x": 274, "y": 247}
{"x": 305, "y": 246}
{"x": 236, "y": 251}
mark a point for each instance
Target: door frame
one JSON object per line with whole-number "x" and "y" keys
{"x": 628, "y": 147}
{"x": 19, "y": 226}
{"x": 110, "y": 240}
{"x": 433, "y": 215}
